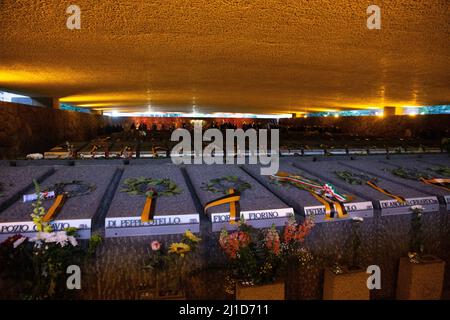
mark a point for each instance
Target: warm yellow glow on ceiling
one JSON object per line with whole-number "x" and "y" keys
{"x": 269, "y": 56}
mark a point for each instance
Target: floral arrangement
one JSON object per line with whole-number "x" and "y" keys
{"x": 409, "y": 173}
{"x": 416, "y": 245}
{"x": 354, "y": 178}
{"x": 258, "y": 257}
{"x": 442, "y": 170}
{"x": 223, "y": 184}
{"x": 150, "y": 187}
{"x": 160, "y": 255}
{"x": 39, "y": 263}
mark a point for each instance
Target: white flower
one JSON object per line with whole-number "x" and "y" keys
{"x": 19, "y": 241}
{"x": 73, "y": 241}
{"x": 35, "y": 156}
{"x": 59, "y": 237}
{"x": 417, "y": 207}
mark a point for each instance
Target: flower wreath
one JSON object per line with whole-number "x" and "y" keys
{"x": 355, "y": 178}
{"x": 408, "y": 173}
{"x": 150, "y": 187}
{"x": 74, "y": 188}
{"x": 223, "y": 184}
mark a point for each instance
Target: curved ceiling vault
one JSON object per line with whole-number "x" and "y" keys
{"x": 228, "y": 56}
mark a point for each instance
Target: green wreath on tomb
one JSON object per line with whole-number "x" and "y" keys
{"x": 355, "y": 178}
{"x": 442, "y": 170}
{"x": 74, "y": 188}
{"x": 223, "y": 184}
{"x": 409, "y": 173}
{"x": 150, "y": 187}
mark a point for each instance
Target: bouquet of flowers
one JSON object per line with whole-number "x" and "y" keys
{"x": 167, "y": 264}
{"x": 258, "y": 257}
{"x": 39, "y": 263}
{"x": 160, "y": 255}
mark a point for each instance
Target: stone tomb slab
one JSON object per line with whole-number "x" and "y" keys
{"x": 326, "y": 170}
{"x": 61, "y": 152}
{"x": 79, "y": 212}
{"x": 359, "y": 206}
{"x": 259, "y": 206}
{"x": 87, "y": 151}
{"x": 426, "y": 167}
{"x": 119, "y": 145}
{"x": 302, "y": 201}
{"x": 173, "y": 214}
{"x": 146, "y": 150}
{"x": 415, "y": 192}
{"x": 14, "y": 181}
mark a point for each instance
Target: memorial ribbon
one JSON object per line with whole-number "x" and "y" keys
{"x": 232, "y": 198}
{"x": 55, "y": 208}
{"x": 149, "y": 209}
{"x": 127, "y": 152}
{"x": 399, "y": 199}
{"x": 155, "y": 151}
{"x": 325, "y": 194}
{"x": 327, "y": 189}
{"x": 93, "y": 149}
{"x": 81, "y": 188}
{"x": 437, "y": 182}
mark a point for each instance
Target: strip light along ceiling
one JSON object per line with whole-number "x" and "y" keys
{"x": 197, "y": 115}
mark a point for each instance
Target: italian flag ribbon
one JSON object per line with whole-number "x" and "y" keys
{"x": 232, "y": 198}
{"x": 325, "y": 194}
{"x": 438, "y": 182}
{"x": 399, "y": 199}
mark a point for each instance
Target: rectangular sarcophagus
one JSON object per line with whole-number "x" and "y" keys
{"x": 363, "y": 184}
{"x": 98, "y": 148}
{"x": 303, "y": 192}
{"x": 14, "y": 181}
{"x": 75, "y": 198}
{"x": 151, "y": 200}
{"x": 65, "y": 150}
{"x": 125, "y": 149}
{"x": 414, "y": 191}
{"x": 150, "y": 149}
{"x": 434, "y": 176}
{"x": 215, "y": 186}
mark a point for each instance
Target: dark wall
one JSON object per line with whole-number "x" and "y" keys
{"x": 425, "y": 126}
{"x": 27, "y": 129}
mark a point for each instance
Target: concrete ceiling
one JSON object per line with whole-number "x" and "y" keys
{"x": 228, "y": 55}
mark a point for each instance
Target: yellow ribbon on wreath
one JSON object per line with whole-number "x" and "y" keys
{"x": 399, "y": 199}
{"x": 232, "y": 198}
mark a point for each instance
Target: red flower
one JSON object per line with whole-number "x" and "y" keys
{"x": 232, "y": 243}
{"x": 273, "y": 241}
{"x": 295, "y": 232}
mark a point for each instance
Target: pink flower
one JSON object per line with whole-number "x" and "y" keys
{"x": 156, "y": 245}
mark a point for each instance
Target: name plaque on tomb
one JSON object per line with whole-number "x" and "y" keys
{"x": 355, "y": 209}
{"x": 163, "y": 224}
{"x": 391, "y": 206}
{"x": 314, "y": 152}
{"x": 337, "y": 151}
{"x": 28, "y": 228}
